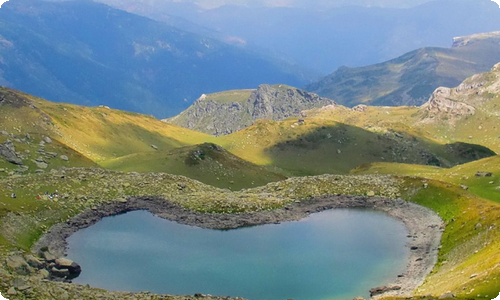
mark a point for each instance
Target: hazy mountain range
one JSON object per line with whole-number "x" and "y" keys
{"x": 88, "y": 53}
{"x": 324, "y": 35}
{"x": 411, "y": 78}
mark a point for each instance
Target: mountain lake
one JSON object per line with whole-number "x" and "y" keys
{"x": 335, "y": 254}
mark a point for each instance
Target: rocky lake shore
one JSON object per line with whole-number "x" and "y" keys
{"x": 424, "y": 227}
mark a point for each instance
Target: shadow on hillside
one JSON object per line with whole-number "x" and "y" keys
{"x": 338, "y": 149}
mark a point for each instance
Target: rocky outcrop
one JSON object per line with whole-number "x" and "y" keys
{"x": 8, "y": 152}
{"x": 17, "y": 264}
{"x": 270, "y": 102}
{"x": 473, "y": 95}
{"x": 441, "y": 103}
{"x": 360, "y": 108}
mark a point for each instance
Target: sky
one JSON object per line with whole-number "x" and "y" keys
{"x": 305, "y": 4}
{"x": 208, "y": 4}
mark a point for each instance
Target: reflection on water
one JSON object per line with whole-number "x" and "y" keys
{"x": 336, "y": 254}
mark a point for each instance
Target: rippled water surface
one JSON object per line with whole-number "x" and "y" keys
{"x": 336, "y": 254}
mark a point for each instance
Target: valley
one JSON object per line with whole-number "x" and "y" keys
{"x": 411, "y": 153}
{"x": 144, "y": 123}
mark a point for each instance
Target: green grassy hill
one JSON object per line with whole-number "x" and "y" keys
{"x": 431, "y": 159}
{"x": 98, "y": 136}
{"x": 319, "y": 146}
{"x": 207, "y": 163}
{"x": 331, "y": 140}
{"x": 98, "y": 133}
{"x": 411, "y": 78}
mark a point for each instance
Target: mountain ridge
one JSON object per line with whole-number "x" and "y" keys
{"x": 230, "y": 111}
{"x": 89, "y": 53}
{"x": 411, "y": 78}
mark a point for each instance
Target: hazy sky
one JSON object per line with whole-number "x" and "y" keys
{"x": 307, "y": 3}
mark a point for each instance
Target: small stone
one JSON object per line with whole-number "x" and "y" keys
{"x": 383, "y": 289}
{"x": 48, "y": 256}
{"x": 483, "y": 174}
{"x": 41, "y": 164}
{"x": 33, "y": 261}
{"x": 12, "y": 291}
{"x": 59, "y": 272}
{"x": 16, "y": 264}
{"x": 71, "y": 266}
{"x": 43, "y": 273}
{"x": 448, "y": 295}
{"x": 370, "y": 194}
{"x": 52, "y": 154}
{"x": 154, "y": 147}
{"x": 64, "y": 157}
{"x": 47, "y": 140}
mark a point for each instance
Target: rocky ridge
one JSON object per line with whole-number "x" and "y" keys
{"x": 411, "y": 78}
{"x": 270, "y": 102}
{"x": 475, "y": 93}
{"x": 461, "y": 41}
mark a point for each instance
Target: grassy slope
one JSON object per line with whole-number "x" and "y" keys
{"x": 118, "y": 140}
{"x": 322, "y": 145}
{"x": 98, "y": 133}
{"x": 469, "y": 258}
{"x": 462, "y": 210}
{"x": 102, "y": 133}
{"x": 207, "y": 163}
{"x": 482, "y": 128}
{"x": 486, "y": 187}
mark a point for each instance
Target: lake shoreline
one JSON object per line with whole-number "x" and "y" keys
{"x": 424, "y": 226}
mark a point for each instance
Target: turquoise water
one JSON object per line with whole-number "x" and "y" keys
{"x": 336, "y": 254}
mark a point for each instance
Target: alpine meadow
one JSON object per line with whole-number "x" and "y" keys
{"x": 259, "y": 150}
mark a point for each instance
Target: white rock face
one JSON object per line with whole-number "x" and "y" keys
{"x": 441, "y": 103}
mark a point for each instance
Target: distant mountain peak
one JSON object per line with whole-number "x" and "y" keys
{"x": 461, "y": 41}
{"x": 411, "y": 78}
{"x": 230, "y": 111}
